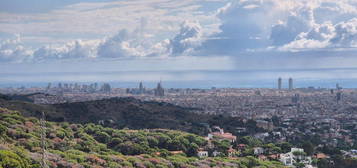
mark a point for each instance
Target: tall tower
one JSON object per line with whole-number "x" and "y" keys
{"x": 279, "y": 83}
{"x": 159, "y": 91}
{"x": 141, "y": 88}
{"x": 291, "y": 84}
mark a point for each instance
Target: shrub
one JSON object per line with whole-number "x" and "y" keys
{"x": 9, "y": 159}
{"x": 3, "y": 130}
{"x": 102, "y": 137}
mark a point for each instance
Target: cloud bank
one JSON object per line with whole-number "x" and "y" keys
{"x": 284, "y": 25}
{"x": 242, "y": 27}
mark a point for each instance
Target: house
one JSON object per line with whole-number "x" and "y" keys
{"x": 258, "y": 150}
{"x": 221, "y": 135}
{"x": 201, "y": 153}
{"x": 274, "y": 156}
{"x": 320, "y": 156}
{"x": 296, "y": 155}
{"x": 287, "y": 159}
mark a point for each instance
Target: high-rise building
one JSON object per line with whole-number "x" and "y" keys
{"x": 291, "y": 84}
{"x": 159, "y": 91}
{"x": 338, "y": 96}
{"x": 296, "y": 98}
{"x": 49, "y": 86}
{"x": 279, "y": 83}
{"x": 141, "y": 88}
{"x": 106, "y": 88}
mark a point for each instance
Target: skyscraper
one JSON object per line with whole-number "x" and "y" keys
{"x": 291, "y": 84}
{"x": 338, "y": 96}
{"x": 296, "y": 98}
{"x": 141, "y": 88}
{"x": 159, "y": 91}
{"x": 279, "y": 83}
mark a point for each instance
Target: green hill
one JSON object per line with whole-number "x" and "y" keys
{"x": 90, "y": 145}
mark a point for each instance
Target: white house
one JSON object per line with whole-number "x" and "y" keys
{"x": 288, "y": 159}
{"x": 258, "y": 150}
{"x": 202, "y": 153}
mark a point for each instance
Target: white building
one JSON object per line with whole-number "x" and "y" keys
{"x": 258, "y": 150}
{"x": 289, "y": 159}
{"x": 202, "y": 153}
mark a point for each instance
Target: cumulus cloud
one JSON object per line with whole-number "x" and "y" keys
{"x": 189, "y": 38}
{"x": 301, "y": 21}
{"x": 72, "y": 50}
{"x": 245, "y": 26}
{"x": 124, "y": 44}
{"x": 12, "y": 50}
{"x": 326, "y": 35}
{"x": 137, "y": 44}
{"x": 284, "y": 25}
{"x": 345, "y": 34}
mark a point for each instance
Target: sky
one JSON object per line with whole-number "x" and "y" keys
{"x": 177, "y": 40}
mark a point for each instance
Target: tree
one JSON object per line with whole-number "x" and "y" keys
{"x": 192, "y": 149}
{"x": 285, "y": 146}
{"x": 323, "y": 163}
{"x": 250, "y": 141}
{"x": 308, "y": 148}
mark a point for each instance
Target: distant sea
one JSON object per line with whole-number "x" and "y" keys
{"x": 318, "y": 78}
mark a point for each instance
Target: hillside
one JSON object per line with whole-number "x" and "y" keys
{"x": 125, "y": 113}
{"x": 90, "y": 145}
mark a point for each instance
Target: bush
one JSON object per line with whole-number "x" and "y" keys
{"x": 9, "y": 159}
{"x": 3, "y": 130}
{"x": 102, "y": 137}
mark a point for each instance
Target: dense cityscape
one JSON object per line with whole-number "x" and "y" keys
{"x": 324, "y": 117}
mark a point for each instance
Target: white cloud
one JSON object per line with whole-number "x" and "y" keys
{"x": 283, "y": 25}
{"x": 98, "y": 19}
{"x": 72, "y": 50}
{"x": 345, "y": 34}
{"x": 164, "y": 28}
{"x": 189, "y": 38}
{"x": 136, "y": 43}
{"x": 339, "y": 36}
{"x": 125, "y": 44}
{"x": 12, "y": 50}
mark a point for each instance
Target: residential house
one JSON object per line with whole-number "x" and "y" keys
{"x": 201, "y": 153}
